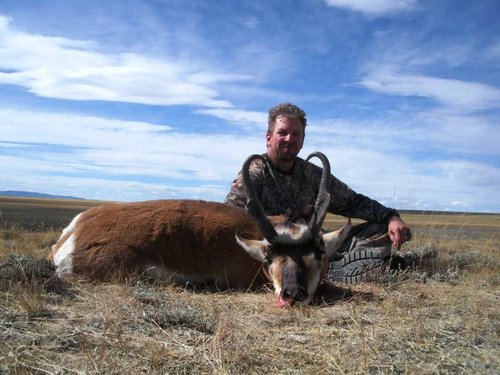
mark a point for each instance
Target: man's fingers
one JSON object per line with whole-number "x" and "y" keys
{"x": 399, "y": 233}
{"x": 396, "y": 239}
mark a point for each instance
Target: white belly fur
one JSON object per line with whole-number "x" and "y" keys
{"x": 63, "y": 259}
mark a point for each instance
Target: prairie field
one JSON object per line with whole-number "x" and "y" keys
{"x": 441, "y": 316}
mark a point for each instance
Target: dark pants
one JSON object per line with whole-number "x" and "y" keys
{"x": 366, "y": 235}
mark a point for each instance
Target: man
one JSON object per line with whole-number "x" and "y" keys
{"x": 288, "y": 185}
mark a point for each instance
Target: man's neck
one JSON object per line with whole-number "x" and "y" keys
{"x": 283, "y": 165}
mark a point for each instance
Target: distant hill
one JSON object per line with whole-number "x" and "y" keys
{"x": 14, "y": 193}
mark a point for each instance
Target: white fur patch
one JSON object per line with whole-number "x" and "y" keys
{"x": 63, "y": 259}
{"x": 287, "y": 234}
{"x": 71, "y": 225}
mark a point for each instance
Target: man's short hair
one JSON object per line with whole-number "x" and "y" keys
{"x": 286, "y": 110}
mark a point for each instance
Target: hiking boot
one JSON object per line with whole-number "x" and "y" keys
{"x": 365, "y": 253}
{"x": 354, "y": 266}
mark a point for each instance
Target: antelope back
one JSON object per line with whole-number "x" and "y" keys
{"x": 185, "y": 241}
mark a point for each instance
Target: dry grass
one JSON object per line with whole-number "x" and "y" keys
{"x": 440, "y": 317}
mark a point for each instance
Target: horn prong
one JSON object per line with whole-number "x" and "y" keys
{"x": 253, "y": 206}
{"x": 323, "y": 198}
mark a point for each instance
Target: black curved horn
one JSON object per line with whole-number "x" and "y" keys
{"x": 323, "y": 198}
{"x": 254, "y": 207}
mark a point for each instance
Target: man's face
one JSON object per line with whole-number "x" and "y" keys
{"x": 286, "y": 141}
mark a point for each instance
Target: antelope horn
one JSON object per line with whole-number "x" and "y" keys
{"x": 254, "y": 207}
{"x": 323, "y": 198}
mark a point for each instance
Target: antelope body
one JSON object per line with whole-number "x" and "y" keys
{"x": 200, "y": 242}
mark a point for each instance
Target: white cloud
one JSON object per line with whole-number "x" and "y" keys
{"x": 251, "y": 22}
{"x": 414, "y": 162}
{"x": 476, "y": 174}
{"x": 35, "y": 176}
{"x": 86, "y": 144}
{"x": 409, "y": 153}
{"x": 374, "y": 7}
{"x": 428, "y": 132}
{"x": 252, "y": 119}
{"x": 108, "y": 159}
{"x": 494, "y": 51}
{"x": 70, "y": 69}
{"x": 456, "y": 94}
{"x": 458, "y": 133}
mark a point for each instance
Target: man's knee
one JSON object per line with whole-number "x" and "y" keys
{"x": 366, "y": 235}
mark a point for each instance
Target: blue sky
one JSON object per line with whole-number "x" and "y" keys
{"x": 137, "y": 99}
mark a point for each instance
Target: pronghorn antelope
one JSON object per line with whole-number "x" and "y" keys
{"x": 200, "y": 242}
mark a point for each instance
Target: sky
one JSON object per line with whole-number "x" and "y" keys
{"x": 131, "y": 100}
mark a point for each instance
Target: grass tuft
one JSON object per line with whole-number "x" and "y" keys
{"x": 166, "y": 313}
{"x": 27, "y": 268}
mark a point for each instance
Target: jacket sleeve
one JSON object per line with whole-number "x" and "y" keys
{"x": 347, "y": 202}
{"x": 237, "y": 195}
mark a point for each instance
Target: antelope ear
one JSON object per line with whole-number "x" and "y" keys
{"x": 335, "y": 239}
{"x": 255, "y": 248}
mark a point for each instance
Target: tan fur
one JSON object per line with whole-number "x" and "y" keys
{"x": 192, "y": 239}
{"x": 199, "y": 242}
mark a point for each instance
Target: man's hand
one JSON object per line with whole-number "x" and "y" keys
{"x": 399, "y": 233}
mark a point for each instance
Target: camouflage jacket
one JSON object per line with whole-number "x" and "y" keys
{"x": 294, "y": 194}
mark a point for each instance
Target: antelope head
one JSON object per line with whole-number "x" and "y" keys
{"x": 294, "y": 255}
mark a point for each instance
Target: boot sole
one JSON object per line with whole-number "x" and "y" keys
{"x": 357, "y": 265}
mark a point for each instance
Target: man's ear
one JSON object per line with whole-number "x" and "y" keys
{"x": 268, "y": 138}
{"x": 255, "y": 248}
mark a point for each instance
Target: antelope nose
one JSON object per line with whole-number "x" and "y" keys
{"x": 294, "y": 293}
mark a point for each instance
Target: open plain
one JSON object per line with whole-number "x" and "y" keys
{"x": 441, "y": 316}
